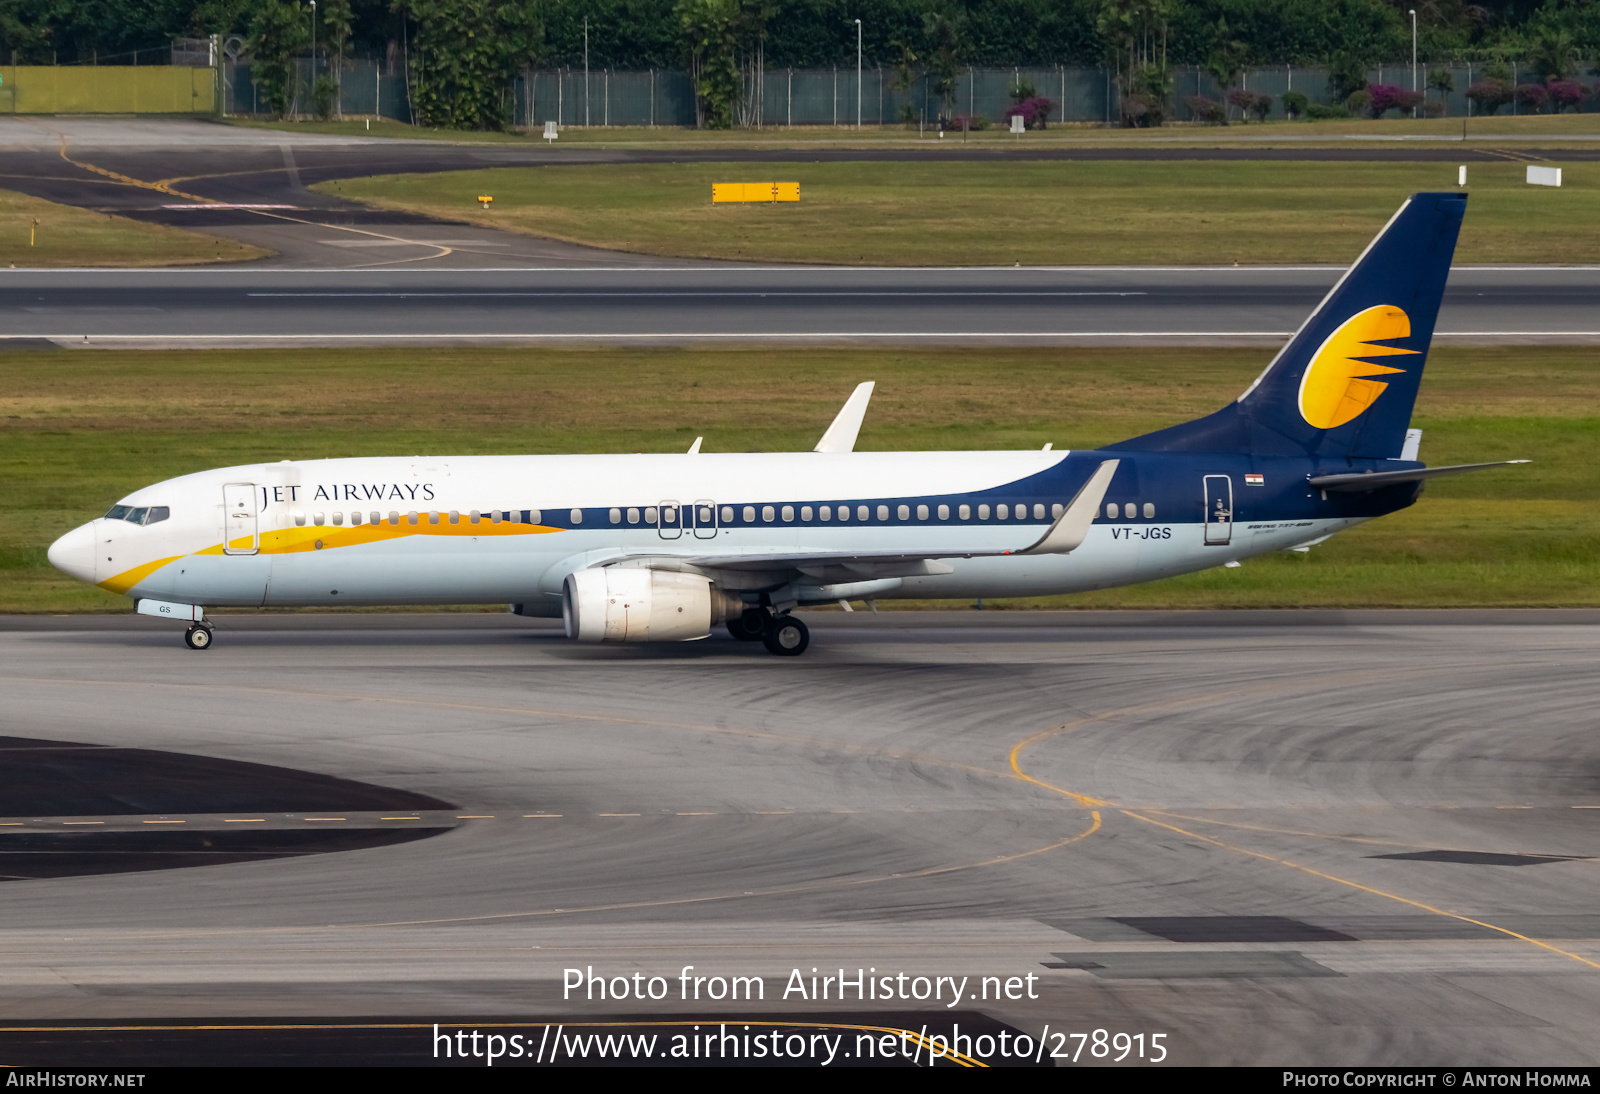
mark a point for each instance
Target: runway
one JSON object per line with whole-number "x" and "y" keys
{"x": 684, "y": 303}
{"x": 348, "y": 275}
{"x": 1313, "y": 838}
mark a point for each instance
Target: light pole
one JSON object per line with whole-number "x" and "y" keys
{"x": 1413, "y": 12}
{"x": 586, "y": 72}
{"x": 858, "y": 73}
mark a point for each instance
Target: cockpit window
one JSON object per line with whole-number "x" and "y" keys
{"x": 153, "y": 514}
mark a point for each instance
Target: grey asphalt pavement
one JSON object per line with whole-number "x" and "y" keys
{"x": 1330, "y": 838}
{"x": 1060, "y": 305}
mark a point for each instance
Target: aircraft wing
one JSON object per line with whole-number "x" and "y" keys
{"x": 1066, "y": 534}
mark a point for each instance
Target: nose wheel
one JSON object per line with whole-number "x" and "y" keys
{"x": 198, "y": 637}
{"x": 786, "y": 636}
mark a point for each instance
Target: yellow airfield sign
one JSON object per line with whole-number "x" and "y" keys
{"x": 754, "y": 191}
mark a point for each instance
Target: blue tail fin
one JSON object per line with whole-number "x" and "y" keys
{"x": 1345, "y": 384}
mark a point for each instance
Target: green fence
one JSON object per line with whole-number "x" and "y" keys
{"x": 106, "y": 89}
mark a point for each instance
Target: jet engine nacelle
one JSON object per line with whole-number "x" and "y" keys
{"x": 630, "y": 604}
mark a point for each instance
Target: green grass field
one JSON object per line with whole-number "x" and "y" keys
{"x": 1056, "y": 213}
{"x": 81, "y": 428}
{"x": 34, "y": 232}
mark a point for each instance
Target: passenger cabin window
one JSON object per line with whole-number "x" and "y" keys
{"x": 1057, "y": 509}
{"x": 727, "y": 514}
{"x": 767, "y": 514}
{"x": 1002, "y": 512}
{"x": 883, "y": 512}
{"x": 1038, "y": 510}
{"x": 788, "y": 513}
{"x": 862, "y": 512}
{"x": 983, "y": 512}
{"x": 615, "y": 515}
{"x": 474, "y": 516}
{"x": 1111, "y": 510}
{"x": 577, "y": 516}
{"x": 903, "y": 512}
{"x": 1149, "y": 510}
{"x": 749, "y": 514}
{"x": 319, "y": 519}
{"x": 805, "y": 512}
{"x": 944, "y": 512}
{"x": 433, "y": 518}
{"x": 650, "y": 514}
{"x": 495, "y": 516}
{"x": 455, "y": 517}
{"x": 922, "y": 512}
{"x": 338, "y": 520}
{"x": 844, "y": 512}
{"x": 411, "y": 518}
{"x": 1129, "y": 511}
{"x": 825, "y": 513}
{"x": 965, "y": 512}
{"x": 394, "y": 517}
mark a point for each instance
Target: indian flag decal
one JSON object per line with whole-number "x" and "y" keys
{"x": 1254, "y": 480}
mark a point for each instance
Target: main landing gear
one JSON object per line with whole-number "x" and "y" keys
{"x": 198, "y": 636}
{"x": 783, "y": 635}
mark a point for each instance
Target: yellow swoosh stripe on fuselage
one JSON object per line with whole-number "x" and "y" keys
{"x": 286, "y": 541}
{"x": 129, "y": 578}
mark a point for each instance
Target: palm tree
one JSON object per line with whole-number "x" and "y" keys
{"x": 1553, "y": 54}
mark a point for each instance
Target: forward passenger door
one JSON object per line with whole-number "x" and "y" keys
{"x": 240, "y": 533}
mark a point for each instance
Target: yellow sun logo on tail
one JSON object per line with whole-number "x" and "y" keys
{"x": 1335, "y": 388}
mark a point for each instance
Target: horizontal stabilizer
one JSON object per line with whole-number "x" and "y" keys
{"x": 1363, "y": 481}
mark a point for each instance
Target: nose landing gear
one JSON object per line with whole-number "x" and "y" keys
{"x": 198, "y": 636}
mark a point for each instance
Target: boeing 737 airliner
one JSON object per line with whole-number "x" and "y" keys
{"x": 661, "y": 548}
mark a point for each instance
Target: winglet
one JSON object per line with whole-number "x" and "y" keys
{"x": 1072, "y": 526}
{"x": 841, "y": 435}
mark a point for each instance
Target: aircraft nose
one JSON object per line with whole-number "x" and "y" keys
{"x": 74, "y": 553}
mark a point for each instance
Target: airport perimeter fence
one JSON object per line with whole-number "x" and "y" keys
{"x": 830, "y": 97}
{"x": 665, "y": 97}
{"x": 825, "y": 97}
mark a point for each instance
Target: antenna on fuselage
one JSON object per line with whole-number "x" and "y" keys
{"x": 841, "y": 435}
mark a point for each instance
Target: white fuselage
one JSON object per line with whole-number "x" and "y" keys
{"x": 509, "y": 529}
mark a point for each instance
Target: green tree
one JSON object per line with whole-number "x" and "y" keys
{"x": 463, "y": 56}
{"x": 943, "y": 33}
{"x": 1553, "y": 54}
{"x": 710, "y": 33}
{"x": 906, "y": 71}
{"x": 1347, "y": 74}
{"x": 1134, "y": 36}
{"x": 278, "y": 31}
{"x": 336, "y": 18}
{"x": 1227, "y": 59}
